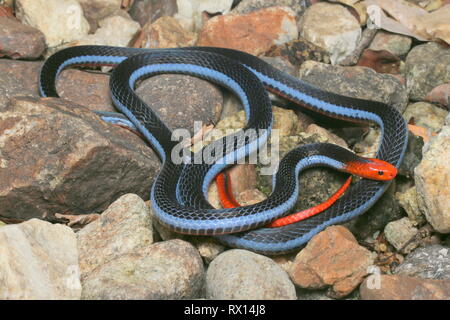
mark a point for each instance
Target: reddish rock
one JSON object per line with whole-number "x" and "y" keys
{"x": 18, "y": 78}
{"x": 255, "y": 32}
{"x": 19, "y": 41}
{"x": 333, "y": 258}
{"x": 58, "y": 157}
{"x": 396, "y": 287}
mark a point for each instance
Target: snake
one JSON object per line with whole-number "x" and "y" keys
{"x": 179, "y": 193}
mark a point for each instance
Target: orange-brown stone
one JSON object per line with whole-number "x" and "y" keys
{"x": 254, "y": 33}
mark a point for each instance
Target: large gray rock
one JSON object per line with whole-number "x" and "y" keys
{"x": 144, "y": 11}
{"x": 241, "y": 274}
{"x": 432, "y": 176}
{"x": 19, "y": 41}
{"x": 401, "y": 233}
{"x": 119, "y": 261}
{"x": 61, "y": 21}
{"x": 357, "y": 82}
{"x": 38, "y": 260}
{"x": 332, "y": 27}
{"x": 398, "y": 287}
{"x": 165, "y": 270}
{"x": 58, "y": 157}
{"x": 431, "y": 262}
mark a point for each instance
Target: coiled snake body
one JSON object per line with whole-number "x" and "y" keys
{"x": 178, "y": 193}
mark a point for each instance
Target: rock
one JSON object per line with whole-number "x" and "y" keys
{"x": 431, "y": 178}
{"x": 408, "y": 201}
{"x": 243, "y": 177}
{"x": 400, "y": 234}
{"x": 2, "y": 224}
{"x": 240, "y": 274}
{"x": 114, "y": 30}
{"x": 300, "y": 50}
{"x": 440, "y": 95}
{"x": 208, "y": 248}
{"x": 396, "y": 44}
{"x": 148, "y": 11}
{"x": 19, "y": 41}
{"x": 88, "y": 89}
{"x": 431, "y": 262}
{"x": 245, "y": 32}
{"x": 38, "y": 260}
{"x": 426, "y": 115}
{"x": 285, "y": 121}
{"x": 58, "y": 157}
{"x": 182, "y": 99}
{"x": 95, "y": 10}
{"x": 381, "y": 61}
{"x": 18, "y": 78}
{"x": 190, "y": 12}
{"x": 332, "y": 27}
{"x": 85, "y": 88}
{"x": 427, "y": 66}
{"x": 166, "y": 32}
{"x": 61, "y": 21}
{"x": 412, "y": 157}
{"x": 331, "y": 138}
{"x": 124, "y": 228}
{"x": 357, "y": 82}
{"x": 396, "y": 287}
{"x": 164, "y": 270}
{"x": 332, "y": 258}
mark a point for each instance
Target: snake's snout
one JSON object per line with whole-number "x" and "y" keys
{"x": 374, "y": 169}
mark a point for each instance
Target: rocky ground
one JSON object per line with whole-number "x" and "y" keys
{"x": 76, "y": 220}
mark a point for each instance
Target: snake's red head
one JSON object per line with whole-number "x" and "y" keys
{"x": 374, "y": 169}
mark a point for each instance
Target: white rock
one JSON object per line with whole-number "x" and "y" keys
{"x": 61, "y": 21}
{"x": 332, "y": 27}
{"x": 114, "y": 31}
{"x": 190, "y": 11}
{"x": 38, "y": 260}
{"x": 124, "y": 228}
{"x": 241, "y": 274}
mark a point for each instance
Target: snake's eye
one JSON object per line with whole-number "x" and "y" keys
{"x": 380, "y": 173}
